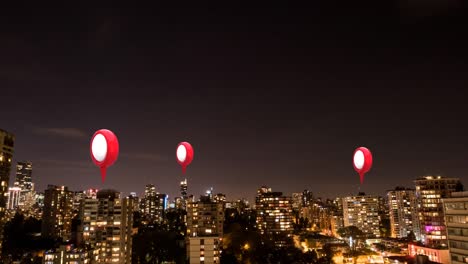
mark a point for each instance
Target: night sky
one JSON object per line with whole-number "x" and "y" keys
{"x": 278, "y": 95}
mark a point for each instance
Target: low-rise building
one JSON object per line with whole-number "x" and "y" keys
{"x": 433, "y": 254}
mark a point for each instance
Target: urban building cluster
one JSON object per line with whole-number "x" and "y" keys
{"x": 427, "y": 221}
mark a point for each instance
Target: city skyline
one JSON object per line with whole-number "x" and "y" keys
{"x": 175, "y": 190}
{"x": 274, "y": 96}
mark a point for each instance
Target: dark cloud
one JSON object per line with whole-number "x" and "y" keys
{"x": 66, "y": 132}
{"x": 144, "y": 157}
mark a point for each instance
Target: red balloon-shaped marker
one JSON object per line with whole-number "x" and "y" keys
{"x": 362, "y": 161}
{"x": 184, "y": 154}
{"x": 104, "y": 150}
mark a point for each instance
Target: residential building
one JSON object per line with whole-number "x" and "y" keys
{"x": 437, "y": 255}
{"x": 205, "y": 220}
{"x": 402, "y": 203}
{"x": 456, "y": 219}
{"x": 106, "y": 226}
{"x": 7, "y": 142}
{"x": 430, "y": 190}
{"x": 68, "y": 254}
{"x": 153, "y": 205}
{"x": 57, "y": 213}
{"x": 362, "y": 211}
{"x": 274, "y": 214}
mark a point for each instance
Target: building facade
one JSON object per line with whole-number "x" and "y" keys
{"x": 362, "y": 211}
{"x": 57, "y": 213}
{"x": 274, "y": 214}
{"x": 433, "y": 254}
{"x": 403, "y": 216}
{"x": 430, "y": 190}
{"x": 205, "y": 220}
{"x": 183, "y": 193}
{"x": 7, "y": 142}
{"x": 153, "y": 205}
{"x": 456, "y": 218}
{"x": 106, "y": 227}
{"x": 68, "y": 254}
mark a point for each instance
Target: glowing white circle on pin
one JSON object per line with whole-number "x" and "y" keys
{"x": 359, "y": 159}
{"x": 181, "y": 153}
{"x": 99, "y": 147}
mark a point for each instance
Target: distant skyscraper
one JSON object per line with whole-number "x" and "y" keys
{"x": 183, "y": 193}
{"x": 24, "y": 179}
{"x": 456, "y": 217}
{"x": 337, "y": 220}
{"x": 403, "y": 216}
{"x": 7, "y": 142}
{"x": 274, "y": 214}
{"x": 183, "y": 189}
{"x": 362, "y": 211}
{"x": 57, "y": 213}
{"x": 14, "y": 194}
{"x": 319, "y": 216}
{"x": 40, "y": 199}
{"x": 307, "y": 197}
{"x": 297, "y": 201}
{"x": 136, "y": 201}
{"x": 153, "y": 205}
{"x": 205, "y": 220}
{"x": 78, "y": 197}
{"x": 106, "y": 226}
{"x": 430, "y": 190}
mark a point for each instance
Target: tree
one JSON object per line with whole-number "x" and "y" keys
{"x": 329, "y": 253}
{"x": 310, "y": 256}
{"x": 19, "y": 242}
{"x": 157, "y": 245}
{"x": 354, "y": 232}
{"x": 384, "y": 227}
{"x": 411, "y": 237}
{"x": 459, "y": 187}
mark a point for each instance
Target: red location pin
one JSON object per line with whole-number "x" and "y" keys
{"x": 184, "y": 154}
{"x": 362, "y": 161}
{"x": 104, "y": 150}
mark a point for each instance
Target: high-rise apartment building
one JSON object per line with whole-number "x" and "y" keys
{"x": 58, "y": 212}
{"x": 362, "y": 211}
{"x": 7, "y": 142}
{"x": 456, "y": 219}
{"x": 274, "y": 214}
{"x": 205, "y": 220}
{"x": 106, "y": 226}
{"x": 402, "y": 204}
{"x": 205, "y": 217}
{"x": 430, "y": 190}
{"x": 153, "y": 205}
